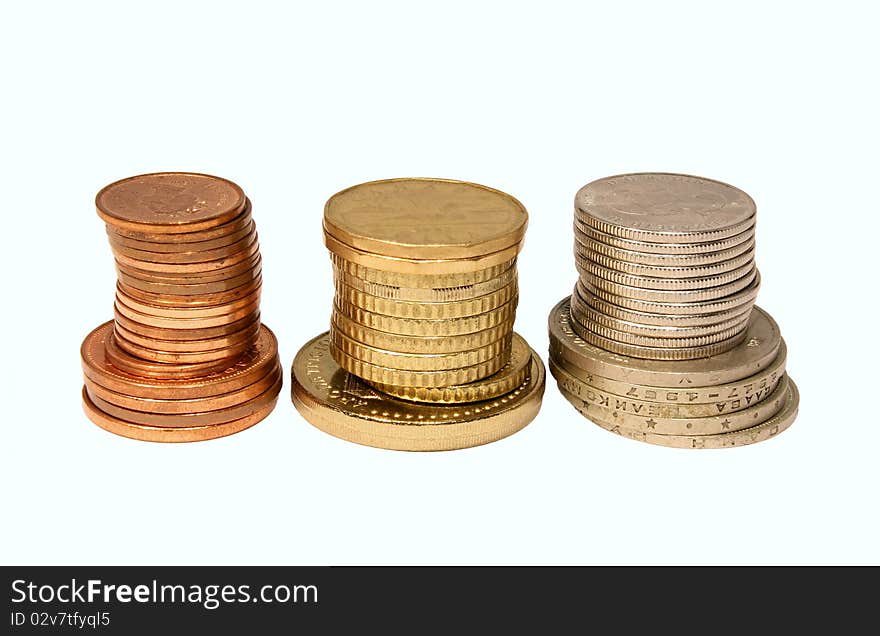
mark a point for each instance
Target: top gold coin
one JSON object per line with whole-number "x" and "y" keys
{"x": 425, "y": 219}
{"x": 170, "y": 202}
{"x": 664, "y": 208}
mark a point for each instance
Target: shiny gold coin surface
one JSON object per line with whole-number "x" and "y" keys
{"x": 340, "y": 404}
{"x": 169, "y": 202}
{"x": 758, "y": 433}
{"x": 503, "y": 315}
{"x": 171, "y": 434}
{"x": 511, "y": 375}
{"x": 425, "y": 219}
{"x": 431, "y": 280}
{"x": 665, "y": 208}
{"x": 757, "y": 351}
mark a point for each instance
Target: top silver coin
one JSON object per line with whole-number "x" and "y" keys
{"x": 661, "y": 207}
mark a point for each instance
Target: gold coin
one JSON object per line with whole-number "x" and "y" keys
{"x": 733, "y": 301}
{"x": 579, "y": 324}
{"x": 420, "y": 362}
{"x": 503, "y": 315}
{"x": 420, "y": 267}
{"x": 665, "y": 208}
{"x": 666, "y": 284}
{"x": 456, "y": 294}
{"x": 622, "y": 258}
{"x": 388, "y": 376}
{"x": 511, "y": 375}
{"x": 342, "y": 405}
{"x": 430, "y": 280}
{"x": 676, "y": 410}
{"x": 710, "y": 425}
{"x": 169, "y": 202}
{"x": 426, "y": 311}
{"x": 418, "y": 344}
{"x": 584, "y": 234}
{"x": 757, "y": 351}
{"x": 586, "y": 315}
{"x": 167, "y": 434}
{"x": 599, "y": 285}
{"x": 758, "y": 433}
{"x": 425, "y": 219}
{"x": 763, "y": 380}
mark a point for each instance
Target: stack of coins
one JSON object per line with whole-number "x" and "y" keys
{"x": 660, "y": 340}
{"x": 186, "y": 357}
{"x": 421, "y": 353}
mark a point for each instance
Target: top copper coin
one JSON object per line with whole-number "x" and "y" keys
{"x": 170, "y": 202}
{"x": 664, "y": 208}
{"x": 425, "y": 219}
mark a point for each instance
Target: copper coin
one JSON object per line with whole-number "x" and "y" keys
{"x": 184, "y": 256}
{"x": 253, "y": 365}
{"x": 207, "y": 418}
{"x": 170, "y": 202}
{"x": 254, "y": 263}
{"x": 244, "y": 251}
{"x": 185, "y": 311}
{"x": 186, "y": 323}
{"x": 197, "y": 289}
{"x": 196, "y": 236}
{"x": 199, "y": 405}
{"x": 238, "y": 229}
{"x": 199, "y": 300}
{"x": 227, "y": 353}
{"x": 207, "y": 333}
{"x": 248, "y": 334}
{"x": 124, "y": 361}
{"x": 162, "y": 434}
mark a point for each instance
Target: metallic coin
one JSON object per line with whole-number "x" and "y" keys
{"x": 421, "y": 362}
{"x": 425, "y": 219}
{"x": 426, "y": 311}
{"x": 177, "y": 434}
{"x": 248, "y": 250}
{"x": 429, "y": 280}
{"x": 135, "y": 257}
{"x": 661, "y": 353}
{"x": 597, "y": 284}
{"x": 422, "y": 294}
{"x": 184, "y": 335}
{"x": 711, "y": 425}
{"x": 249, "y": 265}
{"x": 764, "y": 380}
{"x": 650, "y": 342}
{"x": 248, "y": 334}
{"x": 185, "y": 311}
{"x": 615, "y": 404}
{"x": 586, "y": 315}
{"x": 669, "y": 284}
{"x": 420, "y": 267}
{"x": 226, "y": 353}
{"x": 170, "y": 202}
{"x": 178, "y": 239}
{"x": 238, "y": 228}
{"x": 594, "y": 306}
{"x": 511, "y": 375}
{"x": 586, "y": 260}
{"x": 434, "y": 379}
{"x": 756, "y": 352}
{"x": 758, "y": 433}
{"x": 340, "y": 404}
{"x": 618, "y": 257}
{"x": 175, "y": 406}
{"x": 198, "y": 289}
{"x": 186, "y": 323}
{"x": 584, "y": 234}
{"x": 185, "y": 420}
{"x": 736, "y": 300}
{"x": 126, "y": 362}
{"x": 665, "y": 208}
{"x": 196, "y": 300}
{"x": 418, "y": 344}
{"x": 503, "y": 315}
{"x": 245, "y": 371}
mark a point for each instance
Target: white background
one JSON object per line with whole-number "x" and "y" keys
{"x": 297, "y": 102}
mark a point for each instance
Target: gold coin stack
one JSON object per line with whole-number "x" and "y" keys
{"x": 421, "y": 353}
{"x": 186, "y": 357}
{"x": 661, "y": 341}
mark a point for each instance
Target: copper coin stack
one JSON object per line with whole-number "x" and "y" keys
{"x": 426, "y": 294}
{"x": 667, "y": 282}
{"x": 186, "y": 357}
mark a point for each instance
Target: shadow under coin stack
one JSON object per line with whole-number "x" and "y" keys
{"x": 661, "y": 341}
{"x": 186, "y": 358}
{"x": 421, "y": 353}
